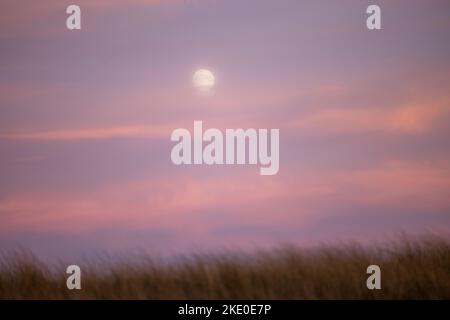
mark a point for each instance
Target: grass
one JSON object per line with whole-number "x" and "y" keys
{"x": 418, "y": 269}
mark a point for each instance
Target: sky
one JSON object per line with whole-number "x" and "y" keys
{"x": 86, "y": 118}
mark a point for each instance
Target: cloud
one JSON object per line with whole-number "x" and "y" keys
{"x": 406, "y": 119}
{"x": 92, "y": 134}
{"x": 43, "y": 18}
{"x": 157, "y": 202}
{"x": 190, "y": 202}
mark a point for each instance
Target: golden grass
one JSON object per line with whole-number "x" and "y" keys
{"x": 417, "y": 269}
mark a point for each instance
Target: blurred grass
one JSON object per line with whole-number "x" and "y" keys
{"x": 410, "y": 269}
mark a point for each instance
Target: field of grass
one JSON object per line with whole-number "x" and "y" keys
{"x": 418, "y": 269}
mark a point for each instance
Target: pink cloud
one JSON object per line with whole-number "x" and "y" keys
{"x": 183, "y": 203}
{"x": 165, "y": 202}
{"x": 22, "y": 17}
{"x": 409, "y": 119}
{"x": 92, "y": 134}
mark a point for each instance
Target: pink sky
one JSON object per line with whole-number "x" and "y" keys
{"x": 86, "y": 118}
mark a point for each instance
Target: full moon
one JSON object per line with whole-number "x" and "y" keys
{"x": 203, "y": 79}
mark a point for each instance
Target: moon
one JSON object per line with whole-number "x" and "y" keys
{"x": 204, "y": 79}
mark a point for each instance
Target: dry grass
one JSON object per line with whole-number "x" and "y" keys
{"x": 410, "y": 270}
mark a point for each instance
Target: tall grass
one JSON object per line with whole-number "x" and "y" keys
{"x": 417, "y": 269}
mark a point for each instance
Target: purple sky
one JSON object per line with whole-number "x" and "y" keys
{"x": 86, "y": 118}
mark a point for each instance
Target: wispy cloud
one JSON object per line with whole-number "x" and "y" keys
{"x": 92, "y": 134}
{"x": 21, "y": 17}
{"x": 413, "y": 118}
